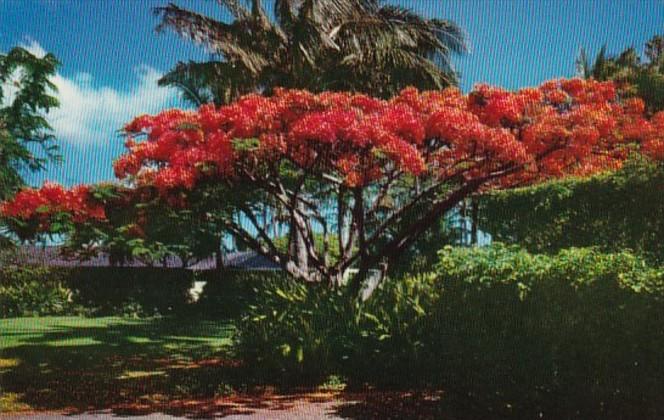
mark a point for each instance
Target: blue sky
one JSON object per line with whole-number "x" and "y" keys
{"x": 111, "y": 56}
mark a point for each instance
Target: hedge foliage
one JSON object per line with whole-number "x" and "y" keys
{"x": 574, "y": 335}
{"x": 131, "y": 291}
{"x": 40, "y": 291}
{"x": 119, "y": 291}
{"x": 229, "y": 293}
{"x": 31, "y": 291}
{"x": 614, "y": 211}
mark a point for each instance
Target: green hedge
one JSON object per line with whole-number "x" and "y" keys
{"x": 39, "y": 290}
{"x": 131, "y": 291}
{"x": 228, "y": 294}
{"x": 613, "y": 211}
{"x": 575, "y": 335}
{"x": 579, "y": 333}
{"x": 31, "y": 291}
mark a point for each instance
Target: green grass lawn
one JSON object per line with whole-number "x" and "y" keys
{"x": 76, "y": 363}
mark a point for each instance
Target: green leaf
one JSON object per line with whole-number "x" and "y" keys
{"x": 283, "y": 295}
{"x": 285, "y": 350}
{"x": 245, "y": 145}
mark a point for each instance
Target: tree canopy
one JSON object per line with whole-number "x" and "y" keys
{"x": 26, "y": 95}
{"x": 633, "y": 74}
{"x": 350, "y": 45}
{"x": 612, "y": 211}
{"x": 375, "y": 173}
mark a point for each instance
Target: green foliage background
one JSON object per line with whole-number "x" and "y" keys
{"x": 573, "y": 335}
{"x": 613, "y": 211}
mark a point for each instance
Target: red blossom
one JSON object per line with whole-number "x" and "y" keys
{"x": 561, "y": 124}
{"x": 559, "y": 128}
{"x": 42, "y": 204}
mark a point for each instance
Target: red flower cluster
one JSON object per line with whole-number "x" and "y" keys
{"x": 42, "y": 204}
{"x": 562, "y": 127}
{"x": 556, "y": 128}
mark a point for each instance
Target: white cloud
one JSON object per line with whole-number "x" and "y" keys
{"x": 33, "y": 47}
{"x": 90, "y": 114}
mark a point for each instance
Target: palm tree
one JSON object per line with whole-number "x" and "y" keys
{"x": 634, "y": 76}
{"x": 354, "y": 45}
{"x": 587, "y": 70}
{"x": 606, "y": 67}
{"x": 654, "y": 50}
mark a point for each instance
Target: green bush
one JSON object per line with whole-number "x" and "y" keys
{"x": 31, "y": 291}
{"x": 294, "y": 333}
{"x": 131, "y": 291}
{"x": 579, "y": 331}
{"x": 228, "y": 293}
{"x": 613, "y": 211}
{"x": 40, "y": 290}
{"x": 575, "y": 335}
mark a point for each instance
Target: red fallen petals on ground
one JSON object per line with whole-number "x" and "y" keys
{"x": 560, "y": 128}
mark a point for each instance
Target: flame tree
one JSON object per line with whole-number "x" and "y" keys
{"x": 362, "y": 175}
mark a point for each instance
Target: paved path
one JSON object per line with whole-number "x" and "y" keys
{"x": 304, "y": 411}
{"x": 300, "y": 406}
{"x": 278, "y": 408}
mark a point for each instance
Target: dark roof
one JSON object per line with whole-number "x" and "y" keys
{"x": 50, "y": 256}
{"x": 246, "y": 260}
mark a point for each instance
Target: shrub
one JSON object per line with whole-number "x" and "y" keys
{"x": 613, "y": 211}
{"x": 39, "y": 290}
{"x": 228, "y": 293}
{"x": 30, "y": 291}
{"x": 575, "y": 335}
{"x": 131, "y": 291}
{"x": 294, "y": 333}
{"x": 577, "y": 331}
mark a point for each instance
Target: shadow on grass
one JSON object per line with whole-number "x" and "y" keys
{"x": 121, "y": 365}
{"x": 181, "y": 367}
{"x": 186, "y": 367}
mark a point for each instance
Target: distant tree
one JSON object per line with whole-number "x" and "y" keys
{"x": 350, "y": 45}
{"x": 26, "y": 140}
{"x": 25, "y": 98}
{"x": 596, "y": 69}
{"x": 655, "y": 49}
{"x": 633, "y": 75}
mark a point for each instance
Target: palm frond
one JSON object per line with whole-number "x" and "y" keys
{"x": 212, "y": 81}
{"x": 601, "y": 64}
{"x": 229, "y": 40}
{"x": 360, "y": 45}
{"x": 284, "y": 11}
{"x": 628, "y": 58}
{"x": 235, "y": 8}
{"x": 582, "y": 64}
{"x": 654, "y": 49}
{"x": 451, "y": 35}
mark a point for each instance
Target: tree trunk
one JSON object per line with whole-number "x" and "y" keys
{"x": 298, "y": 244}
{"x": 218, "y": 260}
{"x": 356, "y": 283}
{"x": 474, "y": 215}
